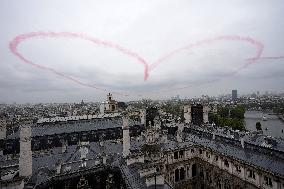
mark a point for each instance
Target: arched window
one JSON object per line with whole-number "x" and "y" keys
{"x": 193, "y": 170}
{"x": 226, "y": 163}
{"x": 182, "y": 174}
{"x": 176, "y": 175}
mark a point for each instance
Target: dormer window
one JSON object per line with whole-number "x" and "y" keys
{"x": 238, "y": 169}
{"x": 208, "y": 155}
{"x": 268, "y": 181}
{"x": 251, "y": 174}
{"x": 176, "y": 155}
{"x": 216, "y": 158}
{"x": 226, "y": 163}
{"x": 181, "y": 154}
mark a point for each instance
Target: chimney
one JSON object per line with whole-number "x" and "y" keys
{"x": 205, "y": 114}
{"x": 179, "y": 136}
{"x": 143, "y": 117}
{"x": 3, "y": 128}
{"x": 25, "y": 160}
{"x": 64, "y": 146}
{"x": 104, "y": 159}
{"x": 126, "y": 137}
{"x": 243, "y": 142}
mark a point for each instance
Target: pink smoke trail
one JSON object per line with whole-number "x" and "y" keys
{"x": 20, "y": 38}
{"x": 147, "y": 67}
{"x": 257, "y": 44}
{"x": 270, "y": 57}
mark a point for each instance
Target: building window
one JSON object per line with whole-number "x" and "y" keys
{"x": 267, "y": 181}
{"x": 194, "y": 171}
{"x": 216, "y": 158}
{"x": 208, "y": 155}
{"x": 227, "y": 186}
{"x": 192, "y": 151}
{"x": 201, "y": 174}
{"x": 181, "y": 154}
{"x": 200, "y": 151}
{"x": 176, "y": 155}
{"x": 176, "y": 175}
{"x": 238, "y": 169}
{"x": 182, "y": 174}
{"x": 226, "y": 163}
{"x": 251, "y": 174}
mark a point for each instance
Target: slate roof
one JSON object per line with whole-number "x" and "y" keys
{"x": 43, "y": 163}
{"x": 78, "y": 126}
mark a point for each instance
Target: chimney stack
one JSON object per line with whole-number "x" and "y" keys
{"x": 243, "y": 142}
{"x": 25, "y": 160}
{"x": 126, "y": 137}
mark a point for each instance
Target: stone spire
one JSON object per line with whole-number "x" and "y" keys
{"x": 25, "y": 160}
{"x": 126, "y": 137}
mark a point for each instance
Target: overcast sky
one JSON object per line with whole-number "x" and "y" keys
{"x": 152, "y": 30}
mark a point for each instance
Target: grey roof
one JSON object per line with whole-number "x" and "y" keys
{"x": 132, "y": 176}
{"x": 44, "y": 162}
{"x": 77, "y": 126}
{"x": 268, "y": 163}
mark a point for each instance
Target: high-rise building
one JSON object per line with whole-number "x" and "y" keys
{"x": 234, "y": 95}
{"x": 197, "y": 114}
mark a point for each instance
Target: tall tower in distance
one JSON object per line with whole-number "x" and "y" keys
{"x": 25, "y": 160}
{"x": 234, "y": 95}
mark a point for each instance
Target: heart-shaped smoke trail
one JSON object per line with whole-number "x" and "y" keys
{"x": 146, "y": 66}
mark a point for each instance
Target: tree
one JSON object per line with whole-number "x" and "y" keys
{"x": 258, "y": 126}
{"x": 223, "y": 111}
{"x": 238, "y": 112}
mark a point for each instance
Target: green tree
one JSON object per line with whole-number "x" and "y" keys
{"x": 258, "y": 126}
{"x": 232, "y": 117}
{"x": 238, "y": 112}
{"x": 223, "y": 111}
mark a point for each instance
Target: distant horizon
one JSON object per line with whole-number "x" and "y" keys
{"x": 181, "y": 97}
